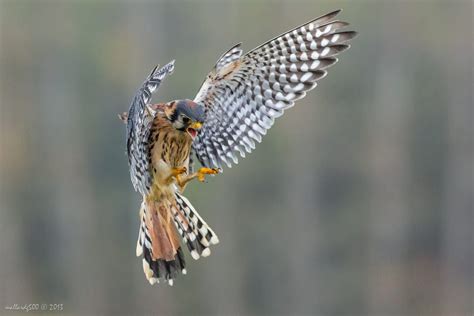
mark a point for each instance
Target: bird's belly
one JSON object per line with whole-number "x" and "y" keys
{"x": 162, "y": 171}
{"x": 165, "y": 158}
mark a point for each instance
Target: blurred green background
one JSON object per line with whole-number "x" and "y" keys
{"x": 358, "y": 202}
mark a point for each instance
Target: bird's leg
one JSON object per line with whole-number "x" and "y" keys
{"x": 175, "y": 173}
{"x": 200, "y": 175}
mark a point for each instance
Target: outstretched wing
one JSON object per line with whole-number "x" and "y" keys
{"x": 244, "y": 94}
{"x": 138, "y": 130}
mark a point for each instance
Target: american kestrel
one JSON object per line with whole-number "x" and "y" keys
{"x": 236, "y": 105}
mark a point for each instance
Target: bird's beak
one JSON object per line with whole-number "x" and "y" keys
{"x": 196, "y": 125}
{"x": 193, "y": 129}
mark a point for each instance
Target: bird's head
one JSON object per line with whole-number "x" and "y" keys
{"x": 186, "y": 116}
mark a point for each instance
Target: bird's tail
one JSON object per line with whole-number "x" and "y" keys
{"x": 196, "y": 234}
{"x": 158, "y": 239}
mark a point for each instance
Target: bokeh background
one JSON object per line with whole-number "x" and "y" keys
{"x": 359, "y": 201}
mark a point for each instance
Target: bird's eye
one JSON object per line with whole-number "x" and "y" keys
{"x": 186, "y": 120}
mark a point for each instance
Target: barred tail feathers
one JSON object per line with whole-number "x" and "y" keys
{"x": 158, "y": 242}
{"x": 196, "y": 234}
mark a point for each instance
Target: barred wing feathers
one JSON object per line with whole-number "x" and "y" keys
{"x": 244, "y": 94}
{"x": 138, "y": 130}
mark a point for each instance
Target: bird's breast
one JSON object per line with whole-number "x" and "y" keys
{"x": 169, "y": 148}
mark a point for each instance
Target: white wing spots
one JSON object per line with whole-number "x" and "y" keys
{"x": 152, "y": 87}
{"x": 269, "y": 80}
{"x": 258, "y": 128}
{"x": 258, "y": 138}
{"x": 273, "y": 113}
{"x": 282, "y": 68}
{"x": 315, "y": 64}
{"x": 314, "y": 55}
{"x": 287, "y": 89}
{"x": 265, "y": 85}
{"x": 298, "y": 87}
{"x": 290, "y": 96}
{"x": 280, "y": 97}
{"x": 291, "y": 42}
{"x": 306, "y": 77}
{"x": 268, "y": 93}
{"x": 249, "y": 142}
{"x": 257, "y": 90}
{"x": 272, "y": 76}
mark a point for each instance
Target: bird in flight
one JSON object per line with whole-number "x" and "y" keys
{"x": 237, "y": 103}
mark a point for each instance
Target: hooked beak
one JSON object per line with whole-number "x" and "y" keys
{"x": 193, "y": 129}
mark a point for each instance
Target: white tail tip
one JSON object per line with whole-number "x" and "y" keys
{"x": 206, "y": 252}
{"x": 147, "y": 270}
{"x": 139, "y": 250}
{"x": 214, "y": 240}
{"x": 194, "y": 254}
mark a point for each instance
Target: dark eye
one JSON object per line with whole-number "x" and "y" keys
{"x": 186, "y": 120}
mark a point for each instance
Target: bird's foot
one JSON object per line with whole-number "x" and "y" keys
{"x": 182, "y": 181}
{"x": 175, "y": 174}
{"x": 202, "y": 172}
{"x": 178, "y": 171}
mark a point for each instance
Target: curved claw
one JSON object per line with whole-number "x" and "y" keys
{"x": 177, "y": 171}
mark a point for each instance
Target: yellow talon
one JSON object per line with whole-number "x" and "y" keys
{"x": 203, "y": 171}
{"x": 177, "y": 171}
